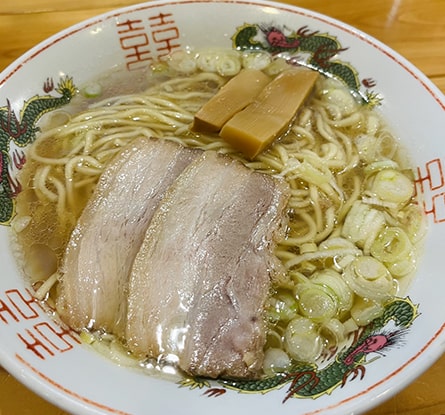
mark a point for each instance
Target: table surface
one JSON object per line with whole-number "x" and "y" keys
{"x": 415, "y": 29}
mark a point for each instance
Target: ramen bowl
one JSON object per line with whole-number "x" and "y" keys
{"x": 56, "y": 363}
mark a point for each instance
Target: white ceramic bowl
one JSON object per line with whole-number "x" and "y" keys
{"x": 52, "y": 361}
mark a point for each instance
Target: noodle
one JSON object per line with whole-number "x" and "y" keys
{"x": 326, "y": 157}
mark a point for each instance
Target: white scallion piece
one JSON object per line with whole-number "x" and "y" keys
{"x": 369, "y": 278}
{"x": 302, "y": 340}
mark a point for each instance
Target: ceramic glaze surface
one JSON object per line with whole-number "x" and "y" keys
{"x": 381, "y": 359}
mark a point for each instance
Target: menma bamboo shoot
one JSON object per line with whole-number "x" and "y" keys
{"x": 271, "y": 113}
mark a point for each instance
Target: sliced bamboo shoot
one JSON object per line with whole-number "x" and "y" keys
{"x": 271, "y": 113}
{"x": 234, "y": 96}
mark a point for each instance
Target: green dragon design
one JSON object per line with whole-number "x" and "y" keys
{"x": 20, "y": 132}
{"x": 320, "y": 48}
{"x": 310, "y": 381}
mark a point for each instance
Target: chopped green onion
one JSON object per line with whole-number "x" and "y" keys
{"x": 344, "y": 251}
{"x": 282, "y": 306}
{"x": 376, "y": 150}
{"x": 228, "y": 65}
{"x": 256, "y": 60}
{"x": 372, "y": 124}
{"x": 182, "y": 62}
{"x": 275, "y": 361}
{"x": 364, "y": 311}
{"x": 274, "y": 339}
{"x": 392, "y": 186}
{"x": 369, "y": 278}
{"x": 277, "y": 66}
{"x": 206, "y": 61}
{"x": 316, "y": 302}
{"x": 350, "y": 326}
{"x": 333, "y": 281}
{"x": 391, "y": 245}
{"x": 302, "y": 341}
{"x": 225, "y": 63}
{"x": 343, "y": 102}
{"x": 403, "y": 267}
{"x": 414, "y": 222}
{"x": 334, "y": 332}
{"x": 92, "y": 90}
{"x": 380, "y": 165}
{"x": 362, "y": 224}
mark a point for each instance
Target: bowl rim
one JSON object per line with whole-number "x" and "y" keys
{"x": 425, "y": 357}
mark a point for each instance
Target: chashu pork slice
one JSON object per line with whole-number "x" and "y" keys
{"x": 201, "y": 278}
{"x": 110, "y": 231}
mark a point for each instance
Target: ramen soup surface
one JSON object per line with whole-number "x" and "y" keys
{"x": 352, "y": 225}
